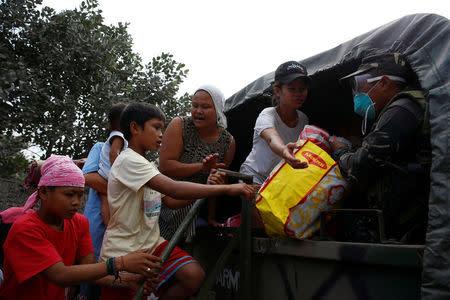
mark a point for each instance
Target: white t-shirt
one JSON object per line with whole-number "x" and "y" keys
{"x": 133, "y": 206}
{"x": 104, "y": 164}
{"x": 262, "y": 159}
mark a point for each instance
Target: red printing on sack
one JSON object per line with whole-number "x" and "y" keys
{"x": 314, "y": 159}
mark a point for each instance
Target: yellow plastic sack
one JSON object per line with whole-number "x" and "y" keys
{"x": 290, "y": 200}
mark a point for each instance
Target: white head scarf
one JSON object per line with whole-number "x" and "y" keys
{"x": 218, "y": 100}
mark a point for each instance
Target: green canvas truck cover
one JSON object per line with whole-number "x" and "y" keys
{"x": 425, "y": 40}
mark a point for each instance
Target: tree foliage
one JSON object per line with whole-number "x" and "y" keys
{"x": 13, "y": 164}
{"x": 60, "y": 72}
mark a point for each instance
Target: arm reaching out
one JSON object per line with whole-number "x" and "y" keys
{"x": 276, "y": 144}
{"x": 193, "y": 191}
{"x": 289, "y": 157}
{"x": 216, "y": 177}
{"x": 171, "y": 149}
{"x": 176, "y": 203}
{"x": 135, "y": 262}
{"x": 210, "y": 162}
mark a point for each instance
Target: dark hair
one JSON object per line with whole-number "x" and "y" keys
{"x": 114, "y": 116}
{"x": 139, "y": 113}
{"x": 276, "y": 97}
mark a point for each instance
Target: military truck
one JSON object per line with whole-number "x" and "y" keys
{"x": 246, "y": 264}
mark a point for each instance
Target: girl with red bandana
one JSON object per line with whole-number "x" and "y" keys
{"x": 51, "y": 249}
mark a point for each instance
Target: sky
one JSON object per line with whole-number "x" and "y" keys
{"x": 231, "y": 43}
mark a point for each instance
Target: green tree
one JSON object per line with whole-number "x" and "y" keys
{"x": 160, "y": 84}
{"x": 60, "y": 72}
{"x": 13, "y": 164}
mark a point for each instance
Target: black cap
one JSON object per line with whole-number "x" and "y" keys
{"x": 289, "y": 71}
{"x": 387, "y": 63}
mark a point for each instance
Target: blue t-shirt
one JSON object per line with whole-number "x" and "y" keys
{"x": 93, "y": 206}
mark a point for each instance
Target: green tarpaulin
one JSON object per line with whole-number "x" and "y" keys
{"x": 425, "y": 40}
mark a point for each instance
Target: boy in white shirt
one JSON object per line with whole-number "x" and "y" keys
{"x": 134, "y": 196}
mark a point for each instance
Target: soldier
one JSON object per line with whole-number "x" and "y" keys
{"x": 394, "y": 158}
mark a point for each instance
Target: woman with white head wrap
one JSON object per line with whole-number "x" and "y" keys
{"x": 218, "y": 100}
{"x": 191, "y": 147}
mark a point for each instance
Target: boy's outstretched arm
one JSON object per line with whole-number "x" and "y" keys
{"x": 135, "y": 262}
{"x": 193, "y": 191}
{"x": 175, "y": 203}
{"x": 128, "y": 280}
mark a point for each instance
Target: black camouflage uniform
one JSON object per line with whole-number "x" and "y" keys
{"x": 393, "y": 161}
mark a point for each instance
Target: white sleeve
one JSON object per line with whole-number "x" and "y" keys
{"x": 135, "y": 173}
{"x": 119, "y": 134}
{"x": 265, "y": 120}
